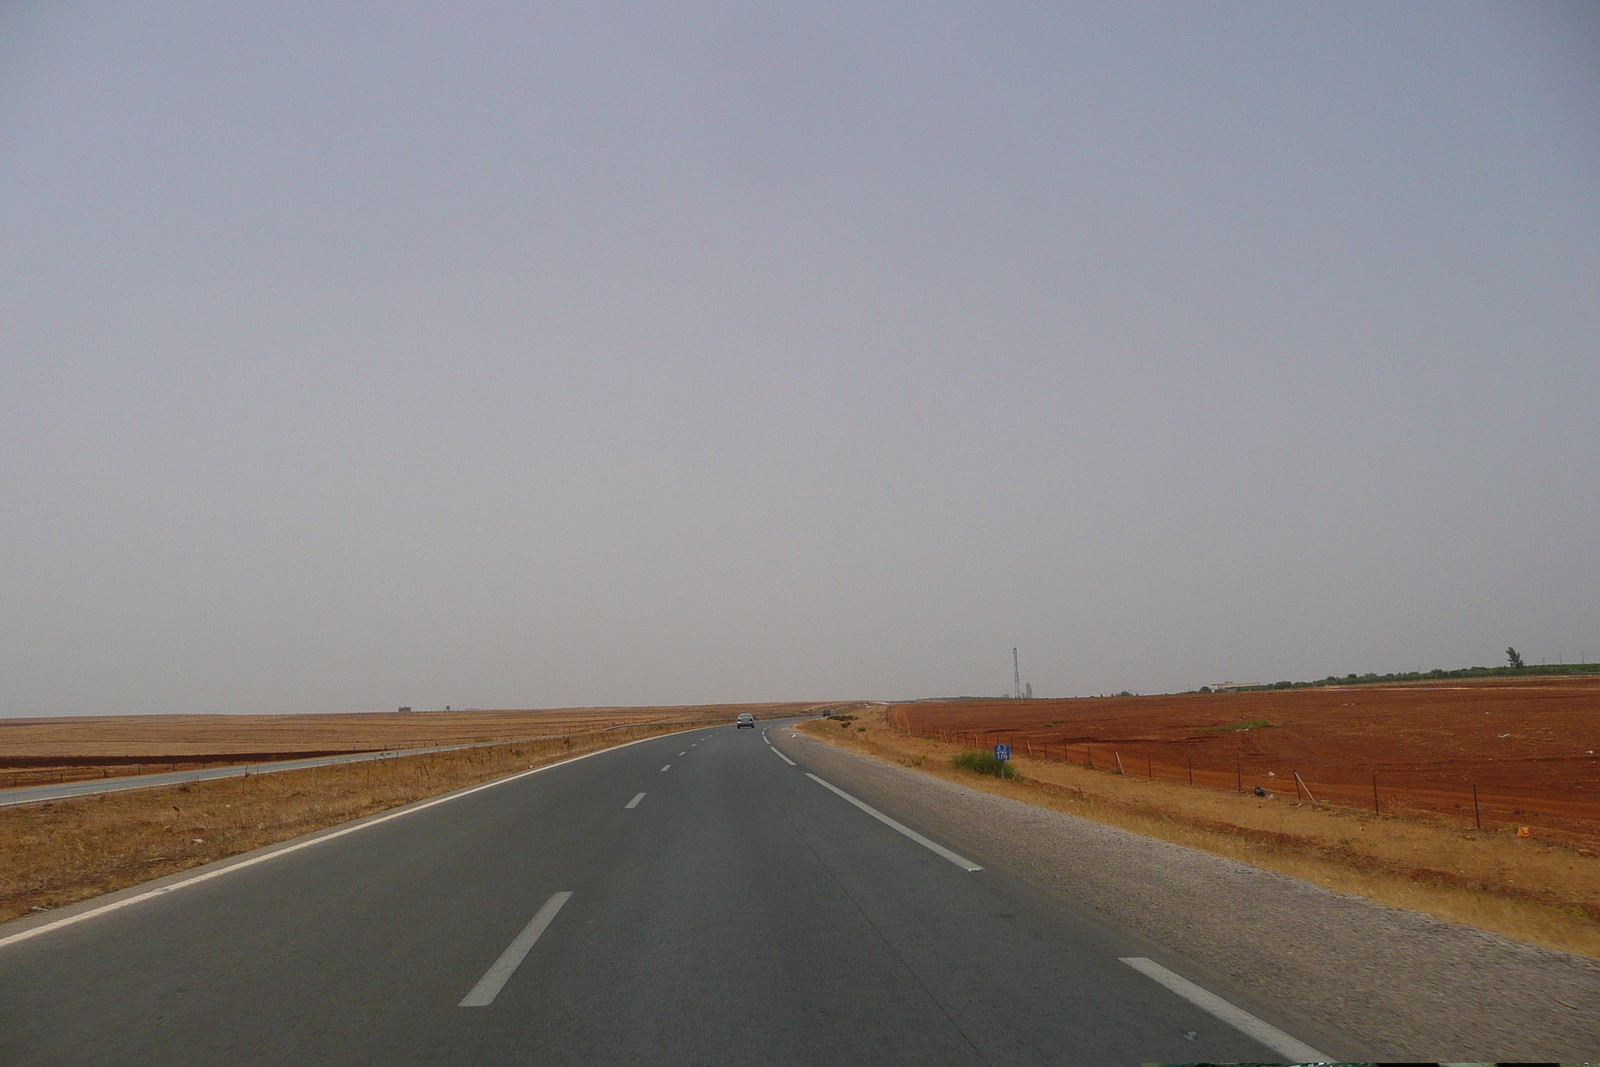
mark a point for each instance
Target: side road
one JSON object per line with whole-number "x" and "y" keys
{"x": 33, "y": 794}
{"x": 1410, "y": 985}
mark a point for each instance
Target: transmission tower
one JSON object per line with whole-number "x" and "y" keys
{"x": 1016, "y": 674}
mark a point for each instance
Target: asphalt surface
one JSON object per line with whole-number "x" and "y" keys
{"x": 738, "y": 912}
{"x": 34, "y": 794}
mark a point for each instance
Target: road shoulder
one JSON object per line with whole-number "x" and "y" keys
{"x": 1401, "y": 984}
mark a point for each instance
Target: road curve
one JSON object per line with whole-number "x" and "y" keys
{"x": 35, "y": 794}
{"x": 694, "y": 898}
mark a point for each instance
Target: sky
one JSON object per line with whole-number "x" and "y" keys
{"x": 355, "y": 356}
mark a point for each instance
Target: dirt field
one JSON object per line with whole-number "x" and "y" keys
{"x": 1541, "y": 888}
{"x": 34, "y": 751}
{"x": 58, "y": 852}
{"x": 1528, "y": 745}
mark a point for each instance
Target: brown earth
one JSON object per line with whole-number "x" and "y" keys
{"x": 1528, "y": 744}
{"x": 35, "y": 751}
{"x": 58, "y": 852}
{"x": 1540, "y": 889}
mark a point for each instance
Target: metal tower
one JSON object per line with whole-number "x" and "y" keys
{"x": 1016, "y": 674}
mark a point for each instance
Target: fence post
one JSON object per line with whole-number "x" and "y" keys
{"x": 1300, "y": 784}
{"x": 1191, "y": 770}
{"x": 1118, "y": 756}
{"x": 1238, "y": 773}
{"x": 1149, "y": 768}
{"x": 1477, "y": 816}
{"x": 1375, "y": 810}
{"x": 1296, "y": 785}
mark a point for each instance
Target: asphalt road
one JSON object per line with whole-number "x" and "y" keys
{"x": 34, "y": 794}
{"x": 739, "y": 911}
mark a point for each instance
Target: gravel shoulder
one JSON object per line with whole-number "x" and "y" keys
{"x": 1352, "y": 974}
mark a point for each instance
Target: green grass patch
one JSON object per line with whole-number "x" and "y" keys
{"x": 1248, "y": 724}
{"x": 983, "y": 763}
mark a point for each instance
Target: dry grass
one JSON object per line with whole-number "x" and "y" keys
{"x": 60, "y": 852}
{"x": 1513, "y": 751}
{"x": 1533, "y": 890}
{"x": 62, "y": 749}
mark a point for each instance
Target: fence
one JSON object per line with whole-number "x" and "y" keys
{"x": 1439, "y": 791}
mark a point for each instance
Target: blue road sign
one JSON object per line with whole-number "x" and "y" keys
{"x": 1002, "y": 752}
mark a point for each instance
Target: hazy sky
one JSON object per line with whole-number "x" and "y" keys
{"x": 497, "y": 355}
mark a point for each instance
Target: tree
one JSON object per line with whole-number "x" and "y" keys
{"x": 1513, "y": 658}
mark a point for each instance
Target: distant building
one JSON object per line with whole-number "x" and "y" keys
{"x": 405, "y": 709}
{"x": 1029, "y": 688}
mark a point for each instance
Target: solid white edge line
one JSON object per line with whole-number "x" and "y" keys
{"x": 958, "y": 860}
{"x": 634, "y": 803}
{"x": 1238, "y": 1018}
{"x": 495, "y": 978}
{"x": 785, "y": 759}
{"x": 422, "y": 805}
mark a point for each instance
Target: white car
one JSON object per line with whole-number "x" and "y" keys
{"x": 744, "y": 719}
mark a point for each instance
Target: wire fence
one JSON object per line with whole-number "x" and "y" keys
{"x": 1442, "y": 791}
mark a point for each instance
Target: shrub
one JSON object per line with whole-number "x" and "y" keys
{"x": 983, "y": 763}
{"x": 1248, "y": 724}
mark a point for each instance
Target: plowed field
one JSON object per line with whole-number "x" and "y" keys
{"x": 1528, "y": 745}
{"x": 69, "y": 749}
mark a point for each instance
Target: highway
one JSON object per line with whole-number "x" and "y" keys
{"x": 697, "y": 898}
{"x": 33, "y": 794}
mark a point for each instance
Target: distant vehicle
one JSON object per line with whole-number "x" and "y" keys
{"x": 745, "y": 719}
{"x": 827, "y": 713}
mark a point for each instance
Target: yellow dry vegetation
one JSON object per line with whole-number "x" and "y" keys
{"x": 1539, "y": 891}
{"x": 70, "y": 748}
{"x": 60, "y": 852}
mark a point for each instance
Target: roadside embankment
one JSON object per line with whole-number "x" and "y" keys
{"x": 1341, "y": 972}
{"x": 1535, "y": 890}
{"x": 70, "y": 748}
{"x": 60, "y": 852}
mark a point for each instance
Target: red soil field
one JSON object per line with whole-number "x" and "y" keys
{"x": 1528, "y": 744}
